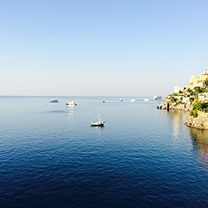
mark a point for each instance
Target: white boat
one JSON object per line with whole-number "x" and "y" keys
{"x": 98, "y": 123}
{"x": 121, "y": 100}
{"x": 146, "y": 99}
{"x": 53, "y": 101}
{"x": 133, "y": 100}
{"x": 157, "y": 97}
{"x": 71, "y": 103}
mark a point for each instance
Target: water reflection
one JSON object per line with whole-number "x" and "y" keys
{"x": 56, "y": 111}
{"x": 98, "y": 129}
{"x": 178, "y": 119}
{"x": 199, "y": 140}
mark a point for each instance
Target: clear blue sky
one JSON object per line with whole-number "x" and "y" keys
{"x": 101, "y": 48}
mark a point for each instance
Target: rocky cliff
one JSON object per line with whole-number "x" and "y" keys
{"x": 200, "y": 122}
{"x": 167, "y": 104}
{"x": 194, "y": 98}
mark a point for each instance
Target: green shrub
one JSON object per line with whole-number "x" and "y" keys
{"x": 188, "y": 90}
{"x": 194, "y": 113}
{"x": 201, "y": 106}
{"x": 173, "y": 99}
{"x": 174, "y": 94}
{"x": 198, "y": 89}
{"x": 191, "y": 99}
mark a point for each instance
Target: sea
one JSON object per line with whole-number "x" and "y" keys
{"x": 50, "y": 156}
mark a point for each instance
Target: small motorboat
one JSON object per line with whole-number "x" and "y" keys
{"x": 133, "y": 100}
{"x": 146, "y": 99}
{"x": 98, "y": 123}
{"x": 121, "y": 100}
{"x": 53, "y": 101}
{"x": 157, "y": 97}
{"x": 71, "y": 103}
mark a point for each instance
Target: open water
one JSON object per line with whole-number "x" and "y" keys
{"x": 142, "y": 157}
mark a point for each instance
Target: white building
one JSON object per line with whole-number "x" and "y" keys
{"x": 185, "y": 100}
{"x": 198, "y": 84}
{"x": 203, "y": 97}
{"x": 177, "y": 89}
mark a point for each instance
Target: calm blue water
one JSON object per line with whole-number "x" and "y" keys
{"x": 143, "y": 157}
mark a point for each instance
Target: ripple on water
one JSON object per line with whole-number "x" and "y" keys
{"x": 50, "y": 157}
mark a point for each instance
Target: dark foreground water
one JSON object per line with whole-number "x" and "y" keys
{"x": 143, "y": 157}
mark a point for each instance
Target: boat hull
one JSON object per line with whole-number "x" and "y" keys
{"x": 72, "y": 104}
{"x": 96, "y": 124}
{"x": 53, "y": 101}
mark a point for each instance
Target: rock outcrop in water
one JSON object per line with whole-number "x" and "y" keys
{"x": 200, "y": 122}
{"x": 167, "y": 104}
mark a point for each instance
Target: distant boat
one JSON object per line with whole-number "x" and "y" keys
{"x": 53, "y": 101}
{"x": 121, "y": 100}
{"x": 98, "y": 123}
{"x": 103, "y": 101}
{"x": 157, "y": 97}
{"x": 146, "y": 99}
{"x": 133, "y": 100}
{"x": 71, "y": 103}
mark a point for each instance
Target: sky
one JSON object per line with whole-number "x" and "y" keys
{"x": 101, "y": 47}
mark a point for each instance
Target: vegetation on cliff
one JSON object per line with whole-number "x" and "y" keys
{"x": 194, "y": 98}
{"x": 187, "y": 99}
{"x": 199, "y": 106}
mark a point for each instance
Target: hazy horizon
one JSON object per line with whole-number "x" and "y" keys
{"x": 80, "y": 96}
{"x": 101, "y": 48}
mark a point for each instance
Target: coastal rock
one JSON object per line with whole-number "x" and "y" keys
{"x": 174, "y": 106}
{"x": 200, "y": 122}
{"x": 192, "y": 97}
